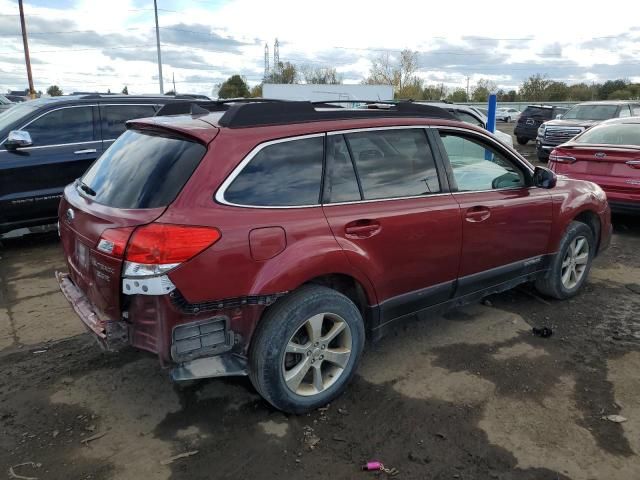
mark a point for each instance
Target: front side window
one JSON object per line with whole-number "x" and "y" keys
{"x": 393, "y": 163}
{"x": 66, "y": 125}
{"x": 115, "y": 116}
{"x": 287, "y": 173}
{"x": 477, "y": 166}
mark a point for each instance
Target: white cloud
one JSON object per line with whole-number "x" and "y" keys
{"x": 203, "y": 42}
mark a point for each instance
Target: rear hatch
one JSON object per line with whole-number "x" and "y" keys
{"x": 614, "y": 169}
{"x": 533, "y": 117}
{"x": 130, "y": 185}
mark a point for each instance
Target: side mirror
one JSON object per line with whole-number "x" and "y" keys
{"x": 544, "y": 178}
{"x": 558, "y": 116}
{"x": 18, "y": 139}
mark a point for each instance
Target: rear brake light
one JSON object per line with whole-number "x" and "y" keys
{"x": 113, "y": 241}
{"x": 156, "y": 248}
{"x": 634, "y": 163}
{"x": 554, "y": 157}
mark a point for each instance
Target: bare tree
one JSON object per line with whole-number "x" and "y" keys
{"x": 320, "y": 75}
{"x": 399, "y": 72}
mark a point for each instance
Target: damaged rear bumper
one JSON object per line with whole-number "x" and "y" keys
{"x": 111, "y": 335}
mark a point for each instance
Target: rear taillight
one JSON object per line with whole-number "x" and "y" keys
{"x": 555, "y": 157}
{"x": 114, "y": 241}
{"x": 158, "y": 247}
{"x": 634, "y": 164}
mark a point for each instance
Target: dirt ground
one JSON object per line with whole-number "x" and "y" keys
{"x": 469, "y": 395}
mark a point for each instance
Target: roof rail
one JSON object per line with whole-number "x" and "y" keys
{"x": 251, "y": 112}
{"x": 278, "y": 113}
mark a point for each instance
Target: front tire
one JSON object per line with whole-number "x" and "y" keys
{"x": 306, "y": 349}
{"x": 570, "y": 267}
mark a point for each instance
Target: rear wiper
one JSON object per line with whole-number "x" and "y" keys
{"x": 86, "y": 188}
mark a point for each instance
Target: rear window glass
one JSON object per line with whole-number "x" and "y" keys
{"x": 143, "y": 170}
{"x": 622, "y": 134}
{"x": 282, "y": 174}
{"x": 537, "y": 112}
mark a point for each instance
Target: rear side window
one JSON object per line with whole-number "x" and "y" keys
{"x": 282, "y": 174}
{"x": 341, "y": 184}
{"x": 143, "y": 170}
{"x": 394, "y": 163}
{"x": 114, "y": 117}
{"x": 66, "y": 125}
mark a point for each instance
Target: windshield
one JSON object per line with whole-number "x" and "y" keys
{"x": 620, "y": 134}
{"x": 14, "y": 114}
{"x": 591, "y": 112}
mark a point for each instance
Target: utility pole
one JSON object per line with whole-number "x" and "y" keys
{"x": 468, "y": 100}
{"x": 155, "y": 7}
{"x": 32, "y": 92}
{"x": 175, "y": 92}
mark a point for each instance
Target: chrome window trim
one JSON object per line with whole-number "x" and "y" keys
{"x": 219, "y": 196}
{"x": 372, "y": 129}
{"x": 353, "y": 202}
{"x": 56, "y": 145}
{"x": 47, "y": 113}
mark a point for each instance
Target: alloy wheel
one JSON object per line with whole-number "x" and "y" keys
{"x": 317, "y": 354}
{"x": 575, "y": 262}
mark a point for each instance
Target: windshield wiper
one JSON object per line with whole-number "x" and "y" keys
{"x": 86, "y": 188}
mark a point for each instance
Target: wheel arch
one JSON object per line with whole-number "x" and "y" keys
{"x": 592, "y": 220}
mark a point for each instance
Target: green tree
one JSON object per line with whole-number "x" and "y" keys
{"x": 320, "y": 75}
{"x": 432, "y": 92}
{"x": 54, "y": 91}
{"x": 624, "y": 94}
{"x": 533, "y": 88}
{"x": 457, "y": 96}
{"x": 556, "y": 92}
{"x": 256, "y": 91}
{"x": 286, "y": 72}
{"x": 125, "y": 90}
{"x": 413, "y": 90}
{"x": 234, "y": 87}
{"x": 580, "y": 92}
{"x": 482, "y": 90}
{"x": 610, "y": 86}
{"x": 399, "y": 72}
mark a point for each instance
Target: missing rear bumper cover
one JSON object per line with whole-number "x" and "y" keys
{"x": 202, "y": 338}
{"x": 225, "y": 365}
{"x": 179, "y": 301}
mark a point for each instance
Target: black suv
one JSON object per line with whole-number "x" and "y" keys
{"x": 578, "y": 119}
{"x": 47, "y": 143}
{"x": 531, "y": 119}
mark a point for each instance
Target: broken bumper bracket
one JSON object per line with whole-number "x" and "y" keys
{"x": 225, "y": 365}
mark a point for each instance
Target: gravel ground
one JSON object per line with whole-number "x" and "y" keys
{"x": 468, "y": 395}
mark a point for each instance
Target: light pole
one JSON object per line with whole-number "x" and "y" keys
{"x": 32, "y": 92}
{"x": 155, "y": 8}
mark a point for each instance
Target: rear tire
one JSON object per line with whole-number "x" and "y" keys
{"x": 570, "y": 267}
{"x": 522, "y": 140}
{"x": 297, "y": 361}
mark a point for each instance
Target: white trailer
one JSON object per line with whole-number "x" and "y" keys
{"x": 321, "y": 93}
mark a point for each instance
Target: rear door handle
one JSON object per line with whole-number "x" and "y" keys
{"x": 362, "y": 229}
{"x": 477, "y": 214}
{"x": 87, "y": 150}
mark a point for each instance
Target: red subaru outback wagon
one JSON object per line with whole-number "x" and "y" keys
{"x": 270, "y": 238}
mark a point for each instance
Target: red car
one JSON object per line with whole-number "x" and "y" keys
{"x": 609, "y": 155}
{"x": 270, "y": 239}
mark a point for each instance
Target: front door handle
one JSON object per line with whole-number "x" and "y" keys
{"x": 87, "y": 150}
{"x": 477, "y": 214}
{"x": 362, "y": 229}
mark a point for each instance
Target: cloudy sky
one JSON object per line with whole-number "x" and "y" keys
{"x": 95, "y": 45}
